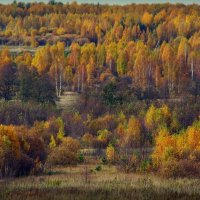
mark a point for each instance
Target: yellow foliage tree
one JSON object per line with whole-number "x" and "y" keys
{"x": 147, "y": 18}
{"x": 134, "y": 132}
{"x": 110, "y": 153}
{"x": 42, "y": 59}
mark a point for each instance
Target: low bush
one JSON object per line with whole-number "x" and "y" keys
{"x": 66, "y": 153}
{"x": 128, "y": 164}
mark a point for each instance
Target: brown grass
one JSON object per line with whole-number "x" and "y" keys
{"x": 68, "y": 100}
{"x": 70, "y": 183}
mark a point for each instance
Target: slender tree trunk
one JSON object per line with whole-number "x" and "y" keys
{"x": 156, "y": 78}
{"x": 60, "y": 89}
{"x": 111, "y": 65}
{"x": 179, "y": 77}
{"x": 78, "y": 82}
{"x": 149, "y": 77}
{"x": 60, "y": 84}
{"x": 56, "y": 81}
{"x": 185, "y": 55}
{"x": 168, "y": 80}
{"x": 192, "y": 70}
{"x": 82, "y": 84}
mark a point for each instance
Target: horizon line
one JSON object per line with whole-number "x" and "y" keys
{"x": 109, "y": 4}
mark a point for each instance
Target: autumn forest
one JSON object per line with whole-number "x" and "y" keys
{"x": 99, "y": 101}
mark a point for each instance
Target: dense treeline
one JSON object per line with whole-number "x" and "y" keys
{"x": 19, "y": 80}
{"x": 156, "y": 46}
{"x": 137, "y": 68}
{"x": 151, "y": 139}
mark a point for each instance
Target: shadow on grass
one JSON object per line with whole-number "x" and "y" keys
{"x": 95, "y": 194}
{"x": 51, "y": 173}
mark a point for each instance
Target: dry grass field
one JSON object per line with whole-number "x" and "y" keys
{"x": 68, "y": 100}
{"x": 85, "y": 182}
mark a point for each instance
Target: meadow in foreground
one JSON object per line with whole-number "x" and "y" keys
{"x": 108, "y": 183}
